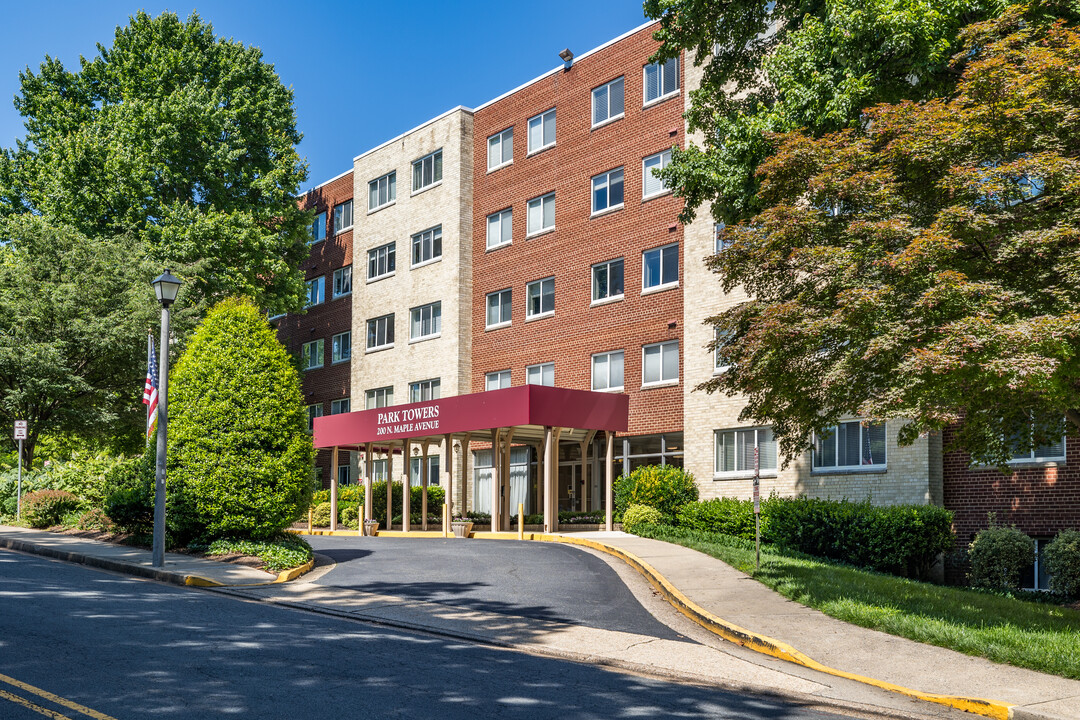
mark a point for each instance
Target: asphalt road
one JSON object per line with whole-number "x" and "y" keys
{"x": 546, "y": 581}
{"x": 127, "y": 648}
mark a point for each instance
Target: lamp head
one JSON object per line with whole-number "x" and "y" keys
{"x": 166, "y": 286}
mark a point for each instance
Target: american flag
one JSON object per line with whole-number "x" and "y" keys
{"x": 150, "y": 389}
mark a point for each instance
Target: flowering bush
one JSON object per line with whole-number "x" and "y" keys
{"x": 45, "y": 508}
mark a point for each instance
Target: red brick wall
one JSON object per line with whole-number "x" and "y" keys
{"x": 330, "y": 382}
{"x": 1040, "y": 501}
{"x": 577, "y": 331}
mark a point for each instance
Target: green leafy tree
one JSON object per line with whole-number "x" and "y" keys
{"x": 240, "y": 456}
{"x": 925, "y": 266}
{"x": 181, "y": 139}
{"x": 73, "y": 317}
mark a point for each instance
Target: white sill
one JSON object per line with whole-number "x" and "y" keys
{"x": 377, "y": 278}
{"x": 379, "y": 348}
{"x": 607, "y": 211}
{"x": 315, "y": 242}
{"x": 276, "y": 317}
{"x": 662, "y": 98}
{"x": 662, "y": 193}
{"x": 606, "y": 301}
{"x": 500, "y": 167}
{"x": 343, "y": 230}
{"x": 538, "y": 233}
{"x": 500, "y": 245}
{"x": 531, "y": 153}
{"x": 432, "y": 261}
{"x": 497, "y": 326}
{"x": 341, "y": 295}
{"x": 380, "y": 207}
{"x": 339, "y": 362}
{"x": 316, "y": 367}
{"x": 851, "y": 470}
{"x": 660, "y": 288}
{"x": 721, "y": 370}
{"x": 540, "y": 316}
{"x": 414, "y": 193}
{"x": 662, "y": 383}
{"x": 610, "y": 390}
{"x": 1036, "y": 462}
{"x": 610, "y": 120}
{"x": 422, "y": 338}
{"x": 743, "y": 475}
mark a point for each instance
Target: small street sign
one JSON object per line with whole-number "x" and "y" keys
{"x": 20, "y": 430}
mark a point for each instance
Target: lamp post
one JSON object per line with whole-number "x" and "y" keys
{"x": 165, "y": 287}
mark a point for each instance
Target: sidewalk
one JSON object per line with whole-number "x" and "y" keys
{"x": 739, "y": 600}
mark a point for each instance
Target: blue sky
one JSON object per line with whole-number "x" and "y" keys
{"x": 361, "y": 72}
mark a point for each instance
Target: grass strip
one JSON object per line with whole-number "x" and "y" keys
{"x": 1039, "y": 636}
{"x": 278, "y": 553}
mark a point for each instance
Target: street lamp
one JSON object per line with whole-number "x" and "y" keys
{"x": 165, "y": 287}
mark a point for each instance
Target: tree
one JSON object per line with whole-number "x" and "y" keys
{"x": 73, "y": 317}
{"x": 240, "y": 457}
{"x": 925, "y": 266}
{"x": 182, "y": 140}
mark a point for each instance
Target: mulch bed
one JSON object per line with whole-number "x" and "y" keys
{"x": 118, "y": 538}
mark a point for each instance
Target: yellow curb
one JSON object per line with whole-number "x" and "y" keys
{"x": 761, "y": 643}
{"x": 340, "y": 533}
{"x": 410, "y": 534}
{"x": 284, "y": 576}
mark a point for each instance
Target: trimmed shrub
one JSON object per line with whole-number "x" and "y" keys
{"x": 320, "y": 496}
{"x": 320, "y": 517}
{"x": 349, "y": 514}
{"x": 129, "y": 498}
{"x": 722, "y": 515}
{"x": 638, "y": 515}
{"x": 663, "y": 487}
{"x": 95, "y": 519}
{"x": 240, "y": 456}
{"x": 1063, "y": 563}
{"x": 45, "y": 508}
{"x": 997, "y": 556}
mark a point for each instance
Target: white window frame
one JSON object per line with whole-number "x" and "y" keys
{"x": 313, "y": 411}
{"x": 608, "y": 387}
{"x": 621, "y": 80}
{"x": 603, "y": 182}
{"x": 313, "y": 354}
{"x": 540, "y": 372}
{"x": 434, "y": 160}
{"x": 498, "y": 376}
{"x": 501, "y": 138}
{"x": 433, "y": 311}
{"x": 720, "y": 238}
{"x": 538, "y": 286}
{"x": 542, "y": 203}
{"x": 318, "y": 228}
{"x": 343, "y": 281}
{"x": 379, "y": 397}
{"x": 426, "y": 239}
{"x": 341, "y": 347}
{"x": 389, "y": 181}
{"x": 541, "y": 121}
{"x": 509, "y": 304}
{"x": 502, "y": 219}
{"x": 664, "y": 348}
{"x": 663, "y": 158}
{"x": 385, "y": 255}
{"x": 826, "y": 469}
{"x": 387, "y": 322}
{"x": 339, "y": 228}
{"x": 662, "y": 284}
{"x": 337, "y": 405}
{"x": 665, "y": 93}
{"x": 606, "y": 266}
{"x": 718, "y": 368}
{"x": 748, "y": 471}
{"x": 1033, "y": 458}
{"x": 319, "y": 285}
{"x": 431, "y": 388}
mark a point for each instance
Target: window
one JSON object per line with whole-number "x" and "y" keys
{"x": 344, "y": 474}
{"x": 313, "y": 411}
{"x": 542, "y": 131}
{"x": 1043, "y": 453}
{"x": 424, "y": 390}
{"x": 427, "y": 171}
{"x": 341, "y": 349}
{"x": 607, "y": 102}
{"x": 661, "y": 80}
{"x": 318, "y": 228}
{"x": 339, "y": 406}
{"x": 723, "y": 240}
{"x": 501, "y": 149}
{"x": 660, "y": 363}
{"x": 851, "y": 445}
{"x": 499, "y": 228}
{"x": 425, "y": 321}
{"x": 607, "y": 190}
{"x": 718, "y": 362}
{"x": 1036, "y": 576}
{"x": 634, "y": 452}
{"x": 651, "y": 184}
{"x": 379, "y": 398}
{"x": 342, "y": 216}
{"x": 660, "y": 267}
{"x": 497, "y": 380}
{"x": 311, "y": 355}
{"x": 432, "y": 470}
{"x": 540, "y": 374}
{"x": 427, "y": 246}
{"x": 380, "y": 332}
{"x": 382, "y": 191}
{"x": 498, "y": 308}
{"x": 734, "y": 453}
{"x": 540, "y": 298}
{"x": 379, "y": 470}
{"x": 343, "y": 281}
{"x": 381, "y": 261}
{"x": 607, "y": 371}
{"x": 607, "y": 280}
{"x": 541, "y": 215}
{"x": 316, "y": 291}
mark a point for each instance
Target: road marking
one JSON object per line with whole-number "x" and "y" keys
{"x": 50, "y": 697}
{"x": 36, "y": 708}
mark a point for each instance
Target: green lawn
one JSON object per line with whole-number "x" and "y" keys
{"x": 1040, "y": 636}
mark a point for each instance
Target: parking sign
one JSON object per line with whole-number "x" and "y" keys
{"x": 20, "y": 429}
